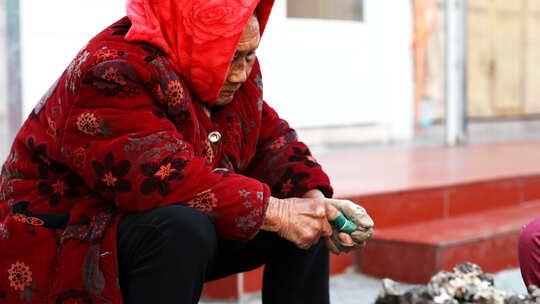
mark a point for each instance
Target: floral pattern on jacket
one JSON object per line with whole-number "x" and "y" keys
{"x": 121, "y": 132}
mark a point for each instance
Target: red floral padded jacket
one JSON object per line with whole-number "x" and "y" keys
{"x": 120, "y": 132}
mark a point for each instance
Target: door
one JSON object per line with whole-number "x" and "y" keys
{"x": 503, "y": 58}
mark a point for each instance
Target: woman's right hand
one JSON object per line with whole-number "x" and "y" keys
{"x": 302, "y": 221}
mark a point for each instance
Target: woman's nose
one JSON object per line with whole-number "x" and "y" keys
{"x": 238, "y": 73}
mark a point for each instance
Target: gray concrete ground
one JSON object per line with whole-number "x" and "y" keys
{"x": 355, "y": 288}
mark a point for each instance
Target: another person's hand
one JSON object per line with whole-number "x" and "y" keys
{"x": 357, "y": 215}
{"x": 302, "y": 221}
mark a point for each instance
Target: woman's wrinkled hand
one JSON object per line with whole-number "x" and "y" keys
{"x": 357, "y": 215}
{"x": 302, "y": 221}
{"x": 339, "y": 241}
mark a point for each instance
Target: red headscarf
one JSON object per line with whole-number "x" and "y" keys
{"x": 199, "y": 36}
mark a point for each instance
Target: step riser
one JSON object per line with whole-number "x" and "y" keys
{"x": 408, "y": 207}
{"x": 414, "y": 263}
{"x": 223, "y": 289}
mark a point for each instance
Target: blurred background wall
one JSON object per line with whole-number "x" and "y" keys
{"x": 331, "y": 72}
{"x": 53, "y": 33}
{"x": 4, "y": 130}
{"x": 342, "y": 72}
{"x": 352, "y": 70}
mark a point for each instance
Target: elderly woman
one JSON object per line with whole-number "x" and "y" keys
{"x": 153, "y": 165}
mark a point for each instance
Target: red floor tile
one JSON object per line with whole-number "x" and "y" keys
{"x": 461, "y": 229}
{"x": 253, "y": 280}
{"x": 403, "y": 262}
{"x": 464, "y": 199}
{"x": 531, "y": 188}
{"x": 412, "y": 253}
{"x": 340, "y": 263}
{"x": 492, "y": 254}
{"x": 224, "y": 289}
{"x": 374, "y": 171}
{"x": 404, "y": 207}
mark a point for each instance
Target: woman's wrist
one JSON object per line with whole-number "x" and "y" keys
{"x": 272, "y": 220}
{"x": 314, "y": 193}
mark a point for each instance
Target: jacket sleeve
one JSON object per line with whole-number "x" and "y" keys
{"x": 125, "y": 148}
{"x": 285, "y": 163}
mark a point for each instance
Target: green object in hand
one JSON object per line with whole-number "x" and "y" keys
{"x": 342, "y": 224}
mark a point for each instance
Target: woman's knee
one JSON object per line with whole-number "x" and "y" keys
{"x": 529, "y": 253}
{"x": 529, "y": 239}
{"x": 176, "y": 230}
{"x": 187, "y": 227}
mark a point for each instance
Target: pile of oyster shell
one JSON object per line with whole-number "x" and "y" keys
{"x": 466, "y": 284}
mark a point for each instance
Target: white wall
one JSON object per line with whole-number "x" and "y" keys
{"x": 53, "y": 32}
{"x": 320, "y": 72}
{"x": 4, "y": 123}
{"x": 317, "y": 72}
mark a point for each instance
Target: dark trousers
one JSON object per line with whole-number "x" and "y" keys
{"x": 165, "y": 255}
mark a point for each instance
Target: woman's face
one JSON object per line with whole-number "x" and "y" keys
{"x": 242, "y": 63}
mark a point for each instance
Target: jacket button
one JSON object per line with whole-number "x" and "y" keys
{"x": 214, "y": 137}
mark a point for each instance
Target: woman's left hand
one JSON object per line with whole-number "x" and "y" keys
{"x": 358, "y": 216}
{"x": 339, "y": 241}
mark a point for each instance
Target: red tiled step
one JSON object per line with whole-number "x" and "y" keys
{"x": 404, "y": 185}
{"x": 224, "y": 289}
{"x": 413, "y": 253}
{"x": 419, "y": 205}
{"x": 396, "y": 169}
{"x": 412, "y": 208}
{"x": 408, "y": 186}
